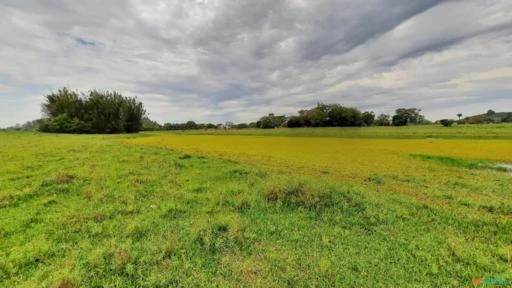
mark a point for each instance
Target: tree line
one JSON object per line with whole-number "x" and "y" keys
{"x": 96, "y": 112}
{"x": 150, "y": 125}
{"x": 323, "y": 115}
{"x": 68, "y": 111}
{"x": 335, "y": 115}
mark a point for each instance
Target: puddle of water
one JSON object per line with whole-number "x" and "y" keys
{"x": 503, "y": 166}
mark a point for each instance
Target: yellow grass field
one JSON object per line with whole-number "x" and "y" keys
{"x": 385, "y": 165}
{"x": 342, "y": 157}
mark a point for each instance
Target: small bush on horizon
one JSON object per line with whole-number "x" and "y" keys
{"x": 446, "y": 122}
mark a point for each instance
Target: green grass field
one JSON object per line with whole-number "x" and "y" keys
{"x": 485, "y": 131}
{"x": 367, "y": 207}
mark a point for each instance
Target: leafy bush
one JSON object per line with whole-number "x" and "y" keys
{"x": 446, "y": 122}
{"x": 64, "y": 124}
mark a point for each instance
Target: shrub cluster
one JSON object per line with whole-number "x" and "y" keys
{"x": 447, "y": 122}
{"x": 96, "y": 112}
{"x": 330, "y": 115}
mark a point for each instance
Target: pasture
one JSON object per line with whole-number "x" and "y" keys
{"x": 360, "y": 207}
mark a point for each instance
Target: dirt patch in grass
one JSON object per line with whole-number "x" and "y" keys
{"x": 66, "y": 283}
{"x": 64, "y": 178}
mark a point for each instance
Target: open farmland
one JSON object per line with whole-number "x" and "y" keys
{"x": 494, "y": 131}
{"x": 306, "y": 207}
{"x": 414, "y": 167}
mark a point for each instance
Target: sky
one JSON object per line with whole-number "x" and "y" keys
{"x": 218, "y": 60}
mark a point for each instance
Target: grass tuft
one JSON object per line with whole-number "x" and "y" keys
{"x": 221, "y": 235}
{"x": 296, "y": 194}
{"x": 185, "y": 156}
{"x": 377, "y": 179}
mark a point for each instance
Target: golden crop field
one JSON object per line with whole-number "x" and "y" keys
{"x": 342, "y": 157}
{"x": 415, "y": 167}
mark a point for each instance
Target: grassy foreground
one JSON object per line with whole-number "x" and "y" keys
{"x": 197, "y": 210}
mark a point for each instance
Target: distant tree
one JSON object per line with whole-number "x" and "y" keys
{"x": 191, "y": 125}
{"x": 271, "y": 121}
{"x": 326, "y": 115}
{"x": 490, "y": 112}
{"x": 253, "y": 125}
{"x": 368, "y": 118}
{"x": 383, "y": 120}
{"x": 459, "y": 115}
{"x": 27, "y": 126}
{"x": 340, "y": 116}
{"x": 242, "y": 126}
{"x": 446, "y": 122}
{"x": 295, "y": 122}
{"x": 488, "y": 119}
{"x": 399, "y": 120}
{"x": 210, "y": 126}
{"x": 507, "y": 118}
{"x": 150, "y": 125}
{"x": 169, "y": 126}
{"x": 316, "y": 117}
{"x": 406, "y": 116}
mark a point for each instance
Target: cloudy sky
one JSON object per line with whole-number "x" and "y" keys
{"x": 220, "y": 60}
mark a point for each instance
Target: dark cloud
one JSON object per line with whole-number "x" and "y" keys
{"x": 336, "y": 33}
{"x": 219, "y": 60}
{"x": 443, "y": 44}
{"x": 84, "y": 42}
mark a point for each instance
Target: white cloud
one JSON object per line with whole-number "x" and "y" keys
{"x": 236, "y": 60}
